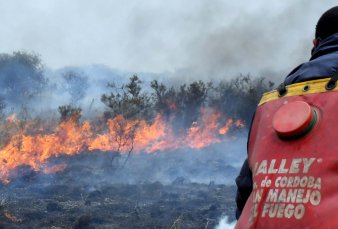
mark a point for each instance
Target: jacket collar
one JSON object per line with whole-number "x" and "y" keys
{"x": 328, "y": 45}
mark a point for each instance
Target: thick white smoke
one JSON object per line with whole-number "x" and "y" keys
{"x": 190, "y": 38}
{"x": 225, "y": 224}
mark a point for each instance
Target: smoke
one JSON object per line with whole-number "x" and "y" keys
{"x": 21, "y": 78}
{"x": 83, "y": 86}
{"x": 177, "y": 43}
{"x": 209, "y": 166}
{"x": 40, "y": 89}
{"x": 85, "y": 45}
{"x": 218, "y": 163}
{"x": 222, "y": 39}
{"x": 261, "y": 42}
{"x": 225, "y": 224}
{"x": 194, "y": 39}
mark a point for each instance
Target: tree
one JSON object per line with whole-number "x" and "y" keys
{"x": 21, "y": 77}
{"x": 127, "y": 105}
{"x": 69, "y": 113}
{"x": 122, "y": 133}
{"x": 238, "y": 98}
{"x": 164, "y": 100}
{"x": 76, "y": 85}
{"x": 127, "y": 101}
{"x": 191, "y": 100}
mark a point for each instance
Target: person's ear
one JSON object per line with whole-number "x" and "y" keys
{"x": 315, "y": 42}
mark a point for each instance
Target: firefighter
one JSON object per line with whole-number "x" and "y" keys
{"x": 322, "y": 64}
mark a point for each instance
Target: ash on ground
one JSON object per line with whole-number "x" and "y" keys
{"x": 181, "y": 189}
{"x": 151, "y": 205}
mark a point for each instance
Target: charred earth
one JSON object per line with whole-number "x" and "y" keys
{"x": 147, "y": 205}
{"x": 181, "y": 189}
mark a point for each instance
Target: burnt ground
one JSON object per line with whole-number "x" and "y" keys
{"x": 181, "y": 189}
{"x": 148, "y": 205}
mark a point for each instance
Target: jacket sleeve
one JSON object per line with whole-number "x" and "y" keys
{"x": 244, "y": 187}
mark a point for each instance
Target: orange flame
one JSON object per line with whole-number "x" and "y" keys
{"x": 121, "y": 135}
{"x": 12, "y": 118}
{"x": 239, "y": 123}
{"x": 12, "y": 218}
{"x": 226, "y": 128}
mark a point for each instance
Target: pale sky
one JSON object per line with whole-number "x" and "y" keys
{"x": 193, "y": 37}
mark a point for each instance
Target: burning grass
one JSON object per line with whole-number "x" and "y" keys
{"x": 94, "y": 191}
{"x": 33, "y": 144}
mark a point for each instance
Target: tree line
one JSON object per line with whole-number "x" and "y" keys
{"x": 22, "y": 78}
